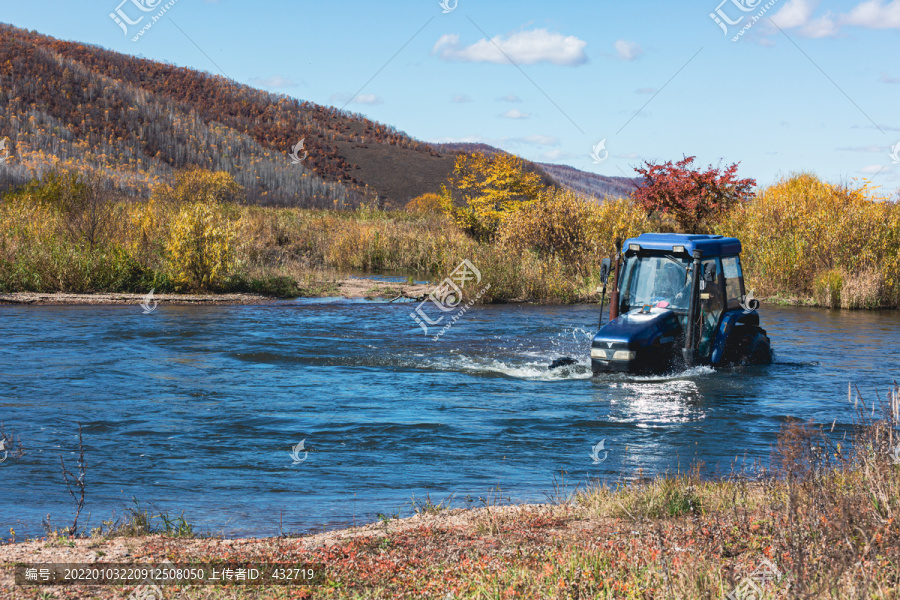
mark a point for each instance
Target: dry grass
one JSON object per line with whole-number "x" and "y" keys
{"x": 837, "y": 245}
{"x": 803, "y": 238}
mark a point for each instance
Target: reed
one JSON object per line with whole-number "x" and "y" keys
{"x": 803, "y": 238}
{"x": 828, "y": 244}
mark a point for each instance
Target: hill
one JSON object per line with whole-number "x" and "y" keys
{"x": 134, "y": 121}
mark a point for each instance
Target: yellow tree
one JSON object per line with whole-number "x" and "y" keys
{"x": 492, "y": 187}
{"x": 200, "y": 185}
{"x": 201, "y": 246}
{"x": 426, "y": 203}
{"x": 201, "y": 213}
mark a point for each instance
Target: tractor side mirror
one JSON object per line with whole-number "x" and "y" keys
{"x": 604, "y": 270}
{"x": 708, "y": 275}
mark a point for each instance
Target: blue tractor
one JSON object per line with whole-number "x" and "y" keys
{"x": 677, "y": 301}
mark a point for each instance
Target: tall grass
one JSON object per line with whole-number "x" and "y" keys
{"x": 826, "y": 511}
{"x": 835, "y": 245}
{"x": 803, "y": 238}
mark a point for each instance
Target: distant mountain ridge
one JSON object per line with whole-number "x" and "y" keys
{"x": 582, "y": 182}
{"x": 591, "y": 184}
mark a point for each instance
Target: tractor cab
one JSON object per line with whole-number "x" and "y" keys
{"x": 678, "y": 301}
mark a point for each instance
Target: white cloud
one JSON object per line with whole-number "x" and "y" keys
{"x": 865, "y": 148}
{"x": 510, "y": 98}
{"x": 515, "y": 113}
{"x": 370, "y": 99}
{"x": 825, "y": 26}
{"x": 885, "y": 78}
{"x": 524, "y": 48}
{"x": 869, "y": 14}
{"x": 367, "y": 99}
{"x": 627, "y": 50}
{"x": 541, "y": 140}
{"x": 557, "y": 155}
{"x": 871, "y": 169}
{"x": 796, "y": 13}
{"x": 276, "y": 81}
{"x": 461, "y": 99}
{"x": 873, "y": 14}
{"x": 799, "y": 14}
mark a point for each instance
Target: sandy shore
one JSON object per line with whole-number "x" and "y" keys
{"x": 524, "y": 551}
{"x": 673, "y": 539}
{"x": 461, "y": 530}
{"x": 350, "y": 288}
{"x": 33, "y": 298}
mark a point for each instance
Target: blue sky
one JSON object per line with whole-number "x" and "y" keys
{"x": 549, "y": 81}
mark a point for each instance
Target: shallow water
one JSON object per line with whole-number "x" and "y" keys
{"x": 198, "y": 408}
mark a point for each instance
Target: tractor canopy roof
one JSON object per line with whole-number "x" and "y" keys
{"x": 711, "y": 245}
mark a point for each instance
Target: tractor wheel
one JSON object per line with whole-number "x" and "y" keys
{"x": 761, "y": 353}
{"x": 750, "y": 347}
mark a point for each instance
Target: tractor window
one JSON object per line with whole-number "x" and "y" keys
{"x": 734, "y": 281}
{"x": 651, "y": 279}
{"x": 711, "y": 303}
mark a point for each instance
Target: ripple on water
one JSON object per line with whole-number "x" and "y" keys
{"x": 198, "y": 408}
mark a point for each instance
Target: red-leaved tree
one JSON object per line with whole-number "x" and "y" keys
{"x": 694, "y": 197}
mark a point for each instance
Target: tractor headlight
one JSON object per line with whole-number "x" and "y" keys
{"x": 613, "y": 355}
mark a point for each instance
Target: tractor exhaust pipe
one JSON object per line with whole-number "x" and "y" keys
{"x": 689, "y": 351}
{"x": 604, "y": 277}
{"x": 614, "y": 295}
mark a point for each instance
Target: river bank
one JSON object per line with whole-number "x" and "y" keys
{"x": 830, "y": 533}
{"x": 457, "y": 553}
{"x": 348, "y": 288}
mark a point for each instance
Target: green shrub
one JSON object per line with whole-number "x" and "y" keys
{"x": 664, "y": 497}
{"x": 827, "y": 288}
{"x": 201, "y": 246}
{"x": 277, "y": 286}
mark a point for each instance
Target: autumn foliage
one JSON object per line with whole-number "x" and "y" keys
{"x": 694, "y": 197}
{"x": 426, "y": 203}
{"x": 490, "y": 187}
{"x": 805, "y": 237}
{"x": 202, "y": 241}
{"x": 571, "y": 230}
{"x": 71, "y": 106}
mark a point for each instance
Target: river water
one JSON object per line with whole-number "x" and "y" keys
{"x": 197, "y": 409}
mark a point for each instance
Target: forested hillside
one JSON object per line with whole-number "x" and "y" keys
{"x": 133, "y": 121}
